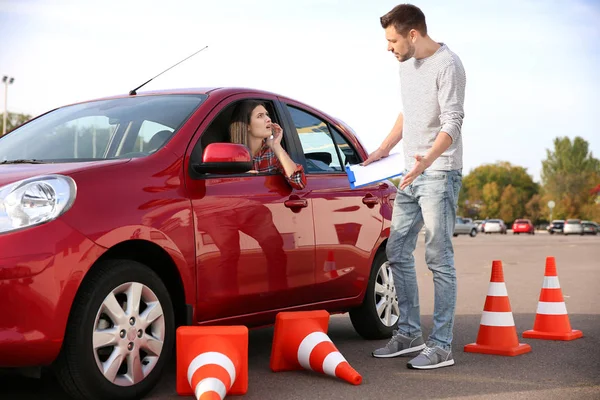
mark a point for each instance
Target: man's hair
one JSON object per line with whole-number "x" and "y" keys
{"x": 405, "y": 17}
{"x": 240, "y": 119}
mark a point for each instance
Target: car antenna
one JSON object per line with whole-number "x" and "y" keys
{"x": 134, "y": 91}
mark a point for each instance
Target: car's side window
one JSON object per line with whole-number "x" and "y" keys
{"x": 317, "y": 140}
{"x": 218, "y": 130}
{"x": 348, "y": 155}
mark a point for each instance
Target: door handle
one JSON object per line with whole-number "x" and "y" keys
{"x": 370, "y": 200}
{"x": 296, "y": 203}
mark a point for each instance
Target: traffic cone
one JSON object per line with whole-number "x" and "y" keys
{"x": 301, "y": 341}
{"x": 551, "y": 319}
{"x": 212, "y": 361}
{"x": 497, "y": 331}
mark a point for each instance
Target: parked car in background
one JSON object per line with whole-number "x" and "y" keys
{"x": 590, "y": 227}
{"x": 573, "y": 227}
{"x": 123, "y": 218}
{"x": 479, "y": 223}
{"x": 523, "y": 226}
{"x": 464, "y": 226}
{"x": 556, "y": 226}
{"x": 495, "y": 226}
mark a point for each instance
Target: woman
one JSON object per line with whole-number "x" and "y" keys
{"x": 252, "y": 126}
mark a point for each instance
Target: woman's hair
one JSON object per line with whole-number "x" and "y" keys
{"x": 240, "y": 119}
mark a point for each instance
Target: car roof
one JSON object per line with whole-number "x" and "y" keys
{"x": 223, "y": 91}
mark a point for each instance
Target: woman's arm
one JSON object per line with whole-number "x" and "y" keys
{"x": 293, "y": 172}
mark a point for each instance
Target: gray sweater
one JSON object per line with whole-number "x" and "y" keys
{"x": 433, "y": 94}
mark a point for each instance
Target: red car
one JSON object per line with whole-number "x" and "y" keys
{"x": 123, "y": 218}
{"x": 523, "y": 226}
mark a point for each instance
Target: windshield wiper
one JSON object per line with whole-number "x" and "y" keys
{"x": 32, "y": 161}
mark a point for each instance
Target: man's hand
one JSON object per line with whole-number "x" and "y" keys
{"x": 421, "y": 165}
{"x": 376, "y": 155}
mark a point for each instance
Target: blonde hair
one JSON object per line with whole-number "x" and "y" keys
{"x": 240, "y": 119}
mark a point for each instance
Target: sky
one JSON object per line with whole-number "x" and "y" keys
{"x": 532, "y": 65}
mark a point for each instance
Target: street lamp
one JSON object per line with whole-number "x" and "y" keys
{"x": 7, "y": 81}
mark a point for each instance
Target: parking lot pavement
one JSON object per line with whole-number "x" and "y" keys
{"x": 552, "y": 370}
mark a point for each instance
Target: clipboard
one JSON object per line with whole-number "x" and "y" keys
{"x": 385, "y": 168}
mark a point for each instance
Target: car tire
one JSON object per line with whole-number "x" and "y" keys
{"x": 365, "y": 318}
{"x": 98, "y": 314}
{"x": 473, "y": 232}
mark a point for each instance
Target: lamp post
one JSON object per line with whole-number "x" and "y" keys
{"x": 7, "y": 81}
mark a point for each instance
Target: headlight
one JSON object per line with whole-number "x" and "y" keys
{"x": 35, "y": 200}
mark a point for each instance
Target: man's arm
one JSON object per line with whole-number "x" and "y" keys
{"x": 389, "y": 142}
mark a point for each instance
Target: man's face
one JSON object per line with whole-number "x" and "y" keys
{"x": 402, "y": 47}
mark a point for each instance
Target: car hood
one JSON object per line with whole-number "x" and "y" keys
{"x": 10, "y": 173}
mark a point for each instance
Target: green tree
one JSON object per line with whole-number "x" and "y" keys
{"x": 509, "y": 205}
{"x": 13, "y": 120}
{"x": 491, "y": 200}
{"x": 569, "y": 174}
{"x": 473, "y": 202}
{"x": 534, "y": 210}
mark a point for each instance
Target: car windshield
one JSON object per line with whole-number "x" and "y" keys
{"x": 573, "y": 221}
{"x": 521, "y": 221}
{"x": 105, "y": 129}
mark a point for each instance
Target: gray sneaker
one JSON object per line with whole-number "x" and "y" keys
{"x": 400, "y": 345}
{"x": 431, "y": 358}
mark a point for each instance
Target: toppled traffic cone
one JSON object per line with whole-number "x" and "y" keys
{"x": 212, "y": 361}
{"x": 301, "y": 341}
{"x": 497, "y": 331}
{"x": 551, "y": 319}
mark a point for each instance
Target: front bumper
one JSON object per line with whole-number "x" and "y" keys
{"x": 41, "y": 269}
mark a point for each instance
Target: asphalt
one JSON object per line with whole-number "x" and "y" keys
{"x": 552, "y": 370}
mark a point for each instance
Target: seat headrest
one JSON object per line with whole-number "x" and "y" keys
{"x": 158, "y": 140}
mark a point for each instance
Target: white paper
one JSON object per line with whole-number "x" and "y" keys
{"x": 385, "y": 168}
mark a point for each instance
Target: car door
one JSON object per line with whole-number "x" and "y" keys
{"x": 460, "y": 227}
{"x": 348, "y": 222}
{"x": 254, "y": 233}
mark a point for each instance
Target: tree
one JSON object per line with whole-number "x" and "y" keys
{"x": 509, "y": 205}
{"x": 491, "y": 200}
{"x": 13, "y": 120}
{"x": 569, "y": 174}
{"x": 533, "y": 209}
{"x": 473, "y": 201}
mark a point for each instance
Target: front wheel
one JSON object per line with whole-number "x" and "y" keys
{"x": 473, "y": 232}
{"x": 120, "y": 333}
{"x": 377, "y": 316}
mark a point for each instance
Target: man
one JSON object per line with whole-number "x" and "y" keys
{"x": 432, "y": 82}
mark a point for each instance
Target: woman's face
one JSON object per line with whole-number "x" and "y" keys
{"x": 260, "y": 123}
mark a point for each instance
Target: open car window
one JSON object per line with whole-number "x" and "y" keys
{"x": 218, "y": 129}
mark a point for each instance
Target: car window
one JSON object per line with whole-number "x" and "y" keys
{"x": 151, "y": 136}
{"x": 318, "y": 145}
{"x": 103, "y": 129}
{"x": 459, "y": 221}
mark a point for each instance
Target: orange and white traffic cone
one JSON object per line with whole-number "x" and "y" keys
{"x": 212, "y": 361}
{"x": 551, "y": 319}
{"x": 497, "y": 331}
{"x": 301, "y": 342}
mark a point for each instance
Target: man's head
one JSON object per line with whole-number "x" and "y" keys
{"x": 405, "y": 29}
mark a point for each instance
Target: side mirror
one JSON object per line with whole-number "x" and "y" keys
{"x": 224, "y": 158}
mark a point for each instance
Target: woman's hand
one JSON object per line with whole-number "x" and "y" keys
{"x": 275, "y": 140}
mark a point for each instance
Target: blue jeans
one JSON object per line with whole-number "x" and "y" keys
{"x": 430, "y": 201}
